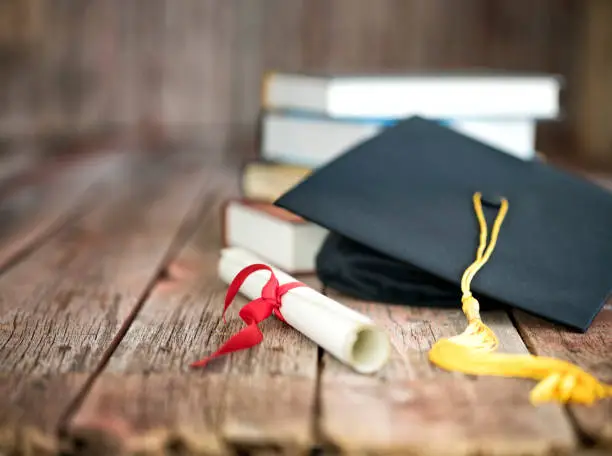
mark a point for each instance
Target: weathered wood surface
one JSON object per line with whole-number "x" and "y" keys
{"x": 591, "y": 351}
{"x": 15, "y": 161}
{"x": 31, "y": 212}
{"x": 99, "y": 323}
{"x": 593, "y": 92}
{"x": 149, "y": 401}
{"x": 412, "y": 407}
{"x": 593, "y": 452}
{"x": 62, "y": 307}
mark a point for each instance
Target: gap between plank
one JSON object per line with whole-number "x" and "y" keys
{"x": 65, "y": 215}
{"x": 71, "y": 216}
{"x": 188, "y": 227}
{"x": 317, "y": 410}
{"x": 321, "y": 445}
{"x": 585, "y": 440}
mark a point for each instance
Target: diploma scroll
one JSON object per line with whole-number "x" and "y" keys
{"x": 350, "y": 336}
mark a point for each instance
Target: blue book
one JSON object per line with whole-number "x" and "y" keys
{"x": 309, "y": 139}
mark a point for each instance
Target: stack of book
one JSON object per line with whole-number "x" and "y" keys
{"x": 309, "y": 120}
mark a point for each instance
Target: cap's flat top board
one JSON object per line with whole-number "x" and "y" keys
{"x": 408, "y": 194}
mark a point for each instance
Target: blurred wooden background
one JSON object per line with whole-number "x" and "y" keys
{"x": 159, "y": 69}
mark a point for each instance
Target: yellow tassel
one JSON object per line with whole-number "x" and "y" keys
{"x": 471, "y": 352}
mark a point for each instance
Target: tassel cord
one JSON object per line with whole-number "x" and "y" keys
{"x": 471, "y": 351}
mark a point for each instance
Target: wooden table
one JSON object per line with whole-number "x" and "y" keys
{"x": 108, "y": 290}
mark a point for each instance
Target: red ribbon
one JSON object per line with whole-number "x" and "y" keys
{"x": 252, "y": 313}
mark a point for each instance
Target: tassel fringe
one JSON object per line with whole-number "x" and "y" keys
{"x": 471, "y": 352}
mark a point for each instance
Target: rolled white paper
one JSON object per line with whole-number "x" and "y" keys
{"x": 346, "y": 334}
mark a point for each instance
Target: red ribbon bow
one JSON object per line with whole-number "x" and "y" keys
{"x": 252, "y": 313}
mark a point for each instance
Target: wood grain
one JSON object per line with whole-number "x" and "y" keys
{"x": 594, "y": 98}
{"x": 165, "y": 67}
{"x": 29, "y": 409}
{"x": 412, "y": 407}
{"x": 260, "y": 398}
{"x": 62, "y": 306}
{"x": 591, "y": 351}
{"x": 34, "y": 211}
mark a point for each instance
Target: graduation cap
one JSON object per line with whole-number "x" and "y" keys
{"x": 423, "y": 215}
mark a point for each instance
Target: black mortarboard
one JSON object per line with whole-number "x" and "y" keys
{"x": 403, "y": 229}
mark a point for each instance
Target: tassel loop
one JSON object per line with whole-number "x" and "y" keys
{"x": 477, "y": 335}
{"x": 470, "y": 307}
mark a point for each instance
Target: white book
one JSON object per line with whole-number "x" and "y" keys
{"x": 276, "y": 235}
{"x": 446, "y": 95}
{"x": 314, "y": 141}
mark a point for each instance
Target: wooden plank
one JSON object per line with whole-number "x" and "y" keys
{"x": 35, "y": 210}
{"x": 29, "y": 409}
{"x": 64, "y": 307}
{"x": 593, "y": 83}
{"x": 593, "y": 452}
{"x": 261, "y": 398}
{"x": 591, "y": 351}
{"x": 16, "y": 159}
{"x": 414, "y": 407}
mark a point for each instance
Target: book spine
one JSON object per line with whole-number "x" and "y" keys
{"x": 266, "y": 182}
{"x": 266, "y": 82}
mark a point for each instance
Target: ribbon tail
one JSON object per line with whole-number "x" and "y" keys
{"x": 248, "y": 337}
